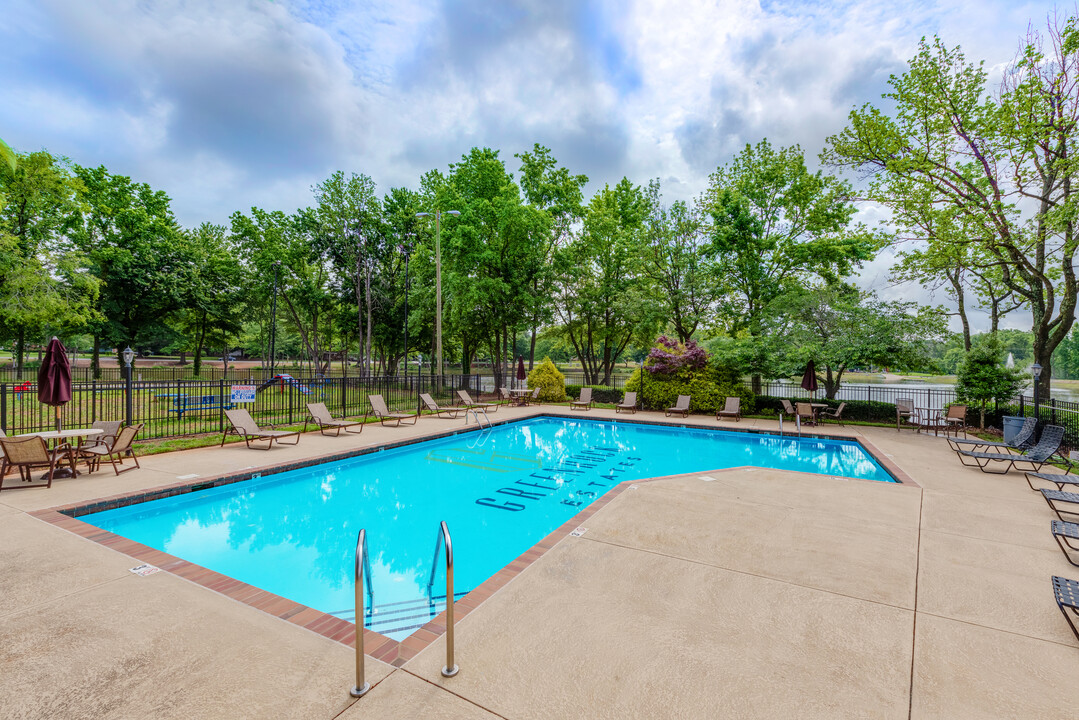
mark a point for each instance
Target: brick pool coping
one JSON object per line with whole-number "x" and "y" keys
{"x": 376, "y": 645}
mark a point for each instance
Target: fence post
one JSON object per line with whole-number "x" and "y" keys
{"x": 93, "y": 400}
{"x": 221, "y": 408}
{"x": 1053, "y": 410}
{"x": 290, "y": 388}
{"x": 3, "y": 407}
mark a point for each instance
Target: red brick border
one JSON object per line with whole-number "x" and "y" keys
{"x": 378, "y": 646}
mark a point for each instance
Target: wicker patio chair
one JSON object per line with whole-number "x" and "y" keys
{"x": 320, "y": 415}
{"x": 114, "y": 453}
{"x": 628, "y": 404}
{"x": 468, "y": 402}
{"x": 32, "y": 453}
{"x": 532, "y": 399}
{"x": 787, "y": 407}
{"x": 584, "y": 402}
{"x": 245, "y": 426}
{"x": 1036, "y": 457}
{"x": 437, "y": 409}
{"x": 378, "y": 407}
{"x": 805, "y": 413}
{"x": 681, "y": 407}
{"x": 731, "y": 409}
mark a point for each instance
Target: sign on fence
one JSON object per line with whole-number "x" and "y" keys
{"x": 243, "y": 394}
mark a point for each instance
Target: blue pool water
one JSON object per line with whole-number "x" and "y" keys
{"x": 501, "y": 491}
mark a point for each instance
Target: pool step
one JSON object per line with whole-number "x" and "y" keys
{"x": 400, "y": 616}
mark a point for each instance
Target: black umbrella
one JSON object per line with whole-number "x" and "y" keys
{"x": 54, "y": 378}
{"x": 809, "y": 380}
{"x": 521, "y": 374}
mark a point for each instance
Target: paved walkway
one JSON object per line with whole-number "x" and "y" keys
{"x": 757, "y": 594}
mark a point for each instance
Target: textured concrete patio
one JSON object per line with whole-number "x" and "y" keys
{"x": 759, "y": 593}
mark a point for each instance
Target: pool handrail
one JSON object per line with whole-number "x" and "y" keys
{"x": 363, "y": 566}
{"x": 476, "y": 415}
{"x": 450, "y": 668}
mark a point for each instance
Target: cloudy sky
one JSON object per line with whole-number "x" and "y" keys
{"x": 228, "y": 104}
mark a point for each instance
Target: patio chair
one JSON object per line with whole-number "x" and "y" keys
{"x": 378, "y": 407}
{"x": 320, "y": 415}
{"x": 532, "y": 399}
{"x": 437, "y": 409}
{"x": 836, "y": 414}
{"x": 787, "y": 407}
{"x": 904, "y": 410}
{"x": 732, "y": 409}
{"x": 681, "y": 406}
{"x": 804, "y": 411}
{"x": 1037, "y": 456}
{"x": 114, "y": 453}
{"x": 1067, "y": 596}
{"x": 1064, "y": 533}
{"x": 956, "y": 420}
{"x": 245, "y": 426}
{"x": 628, "y": 404}
{"x": 467, "y": 401}
{"x": 504, "y": 396}
{"x": 1023, "y": 439}
{"x": 32, "y": 453}
{"x": 584, "y": 402}
{"x": 110, "y": 429}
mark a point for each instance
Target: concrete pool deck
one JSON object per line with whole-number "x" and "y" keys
{"x": 758, "y": 594}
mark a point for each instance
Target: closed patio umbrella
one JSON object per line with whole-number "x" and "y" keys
{"x": 809, "y": 380}
{"x": 54, "y": 378}
{"x": 521, "y": 374}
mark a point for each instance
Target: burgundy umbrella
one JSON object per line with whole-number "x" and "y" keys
{"x": 521, "y": 374}
{"x": 54, "y": 377}
{"x": 809, "y": 380}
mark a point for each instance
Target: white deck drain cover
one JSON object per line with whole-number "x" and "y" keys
{"x": 579, "y": 532}
{"x": 144, "y": 570}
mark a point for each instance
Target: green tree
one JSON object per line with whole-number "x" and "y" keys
{"x": 777, "y": 226}
{"x": 8, "y": 155}
{"x": 983, "y": 377}
{"x": 1002, "y": 164}
{"x": 841, "y": 327}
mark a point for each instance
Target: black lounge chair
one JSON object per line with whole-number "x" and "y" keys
{"x": 1058, "y": 502}
{"x": 1064, "y": 533}
{"x": 1067, "y": 595}
{"x": 1023, "y": 439}
{"x": 1037, "y": 456}
{"x": 1058, "y": 479}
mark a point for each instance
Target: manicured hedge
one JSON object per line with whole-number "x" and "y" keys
{"x": 600, "y": 393}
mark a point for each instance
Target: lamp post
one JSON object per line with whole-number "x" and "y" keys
{"x": 273, "y": 318}
{"x": 1036, "y": 371}
{"x": 438, "y": 282}
{"x": 129, "y": 355}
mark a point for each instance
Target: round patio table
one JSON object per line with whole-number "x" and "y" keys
{"x": 58, "y": 435}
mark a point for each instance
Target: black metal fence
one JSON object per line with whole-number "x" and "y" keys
{"x": 193, "y": 407}
{"x": 928, "y": 398}
{"x": 168, "y": 373}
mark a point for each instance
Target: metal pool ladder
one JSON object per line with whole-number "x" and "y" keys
{"x": 476, "y": 415}
{"x": 363, "y": 567}
{"x": 450, "y": 669}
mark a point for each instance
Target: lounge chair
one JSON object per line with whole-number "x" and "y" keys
{"x": 681, "y": 406}
{"x": 956, "y": 420}
{"x": 628, "y": 404}
{"x": 438, "y": 409}
{"x": 1064, "y": 533}
{"x": 467, "y": 401}
{"x": 1058, "y": 479}
{"x": 31, "y": 453}
{"x": 245, "y": 426}
{"x": 584, "y": 402}
{"x": 320, "y": 415}
{"x": 112, "y": 453}
{"x": 904, "y": 410}
{"x": 378, "y": 407}
{"x": 732, "y": 409}
{"x": 1036, "y": 457}
{"x": 1024, "y": 438}
{"x": 836, "y": 414}
{"x": 1067, "y": 596}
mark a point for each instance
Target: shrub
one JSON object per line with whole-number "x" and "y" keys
{"x": 550, "y": 381}
{"x": 600, "y": 393}
{"x": 859, "y": 410}
{"x": 706, "y": 394}
{"x": 670, "y": 357}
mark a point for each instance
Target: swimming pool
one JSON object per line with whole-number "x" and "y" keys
{"x": 501, "y": 491}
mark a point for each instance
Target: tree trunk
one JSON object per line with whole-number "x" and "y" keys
{"x": 532, "y": 350}
{"x": 367, "y": 299}
{"x": 20, "y": 351}
{"x": 200, "y": 337}
{"x": 183, "y": 357}
{"x": 95, "y": 359}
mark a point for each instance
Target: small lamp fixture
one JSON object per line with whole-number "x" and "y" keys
{"x": 1036, "y": 369}
{"x": 129, "y": 355}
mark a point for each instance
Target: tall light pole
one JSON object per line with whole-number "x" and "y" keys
{"x": 129, "y": 356}
{"x": 438, "y": 281}
{"x": 1036, "y": 370}
{"x": 273, "y": 318}
{"x": 406, "y": 250}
